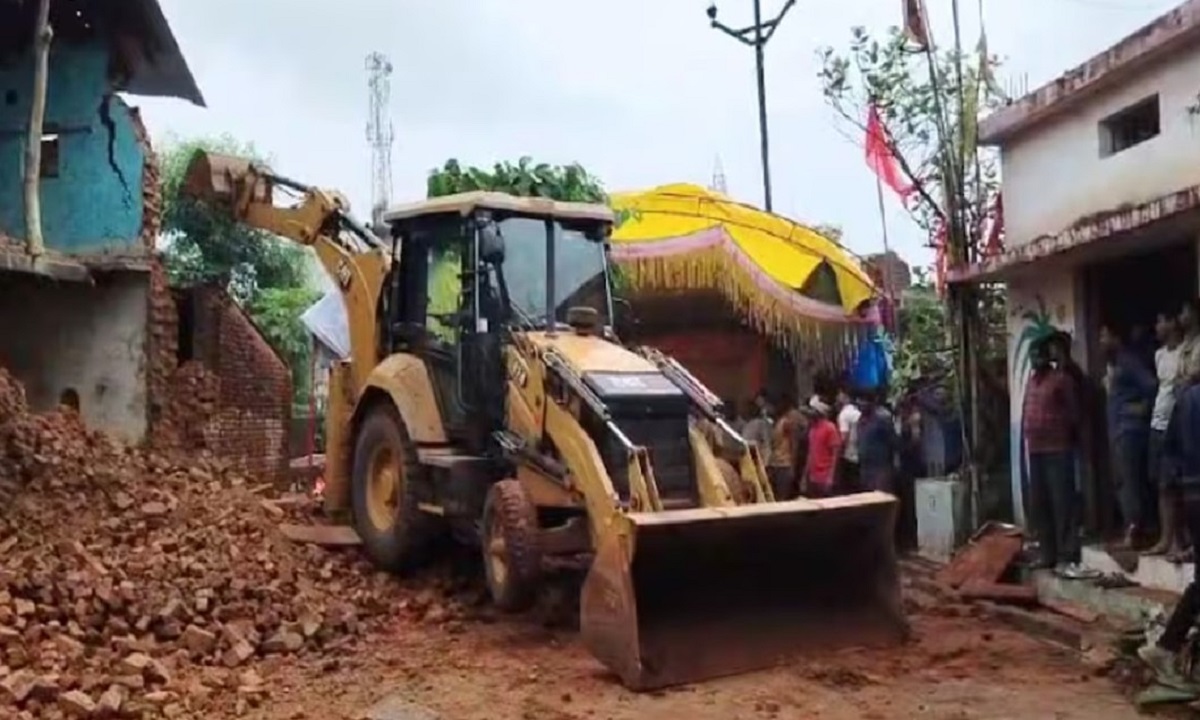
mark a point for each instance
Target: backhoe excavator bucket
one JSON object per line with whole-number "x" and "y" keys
{"x": 685, "y": 595}
{"x": 214, "y": 178}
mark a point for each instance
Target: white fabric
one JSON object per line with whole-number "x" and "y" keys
{"x": 816, "y": 403}
{"x": 1166, "y": 364}
{"x": 326, "y": 319}
{"x": 847, "y": 422}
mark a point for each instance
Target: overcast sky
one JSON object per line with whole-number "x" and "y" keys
{"x": 641, "y": 92}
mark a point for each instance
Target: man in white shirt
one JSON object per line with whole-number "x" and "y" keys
{"x": 847, "y": 424}
{"x": 1166, "y": 362}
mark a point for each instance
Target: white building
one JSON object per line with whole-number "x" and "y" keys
{"x": 1101, "y": 186}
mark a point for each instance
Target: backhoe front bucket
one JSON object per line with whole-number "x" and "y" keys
{"x": 685, "y": 595}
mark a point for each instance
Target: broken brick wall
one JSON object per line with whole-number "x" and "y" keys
{"x": 248, "y": 413}
{"x": 213, "y": 382}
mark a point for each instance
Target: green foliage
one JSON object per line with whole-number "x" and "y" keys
{"x": 922, "y": 350}
{"x": 525, "y": 178}
{"x": 277, "y": 313}
{"x": 202, "y": 246}
{"x": 828, "y": 231}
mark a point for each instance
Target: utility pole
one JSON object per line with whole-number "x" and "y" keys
{"x": 756, "y": 36}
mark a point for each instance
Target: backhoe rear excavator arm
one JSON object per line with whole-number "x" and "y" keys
{"x": 355, "y": 259}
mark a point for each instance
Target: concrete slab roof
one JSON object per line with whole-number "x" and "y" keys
{"x": 1161, "y": 37}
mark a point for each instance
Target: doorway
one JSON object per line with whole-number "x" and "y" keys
{"x": 1126, "y": 293}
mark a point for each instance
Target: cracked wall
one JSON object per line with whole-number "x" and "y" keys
{"x": 94, "y": 205}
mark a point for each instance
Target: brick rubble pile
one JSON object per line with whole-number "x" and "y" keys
{"x": 135, "y": 585}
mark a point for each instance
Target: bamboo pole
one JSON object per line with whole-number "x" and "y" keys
{"x": 43, "y": 35}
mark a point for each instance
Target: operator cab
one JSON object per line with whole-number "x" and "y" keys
{"x": 473, "y": 265}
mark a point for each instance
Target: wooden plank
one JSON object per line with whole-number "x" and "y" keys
{"x": 324, "y": 535}
{"x": 985, "y": 560}
{"x": 1000, "y": 592}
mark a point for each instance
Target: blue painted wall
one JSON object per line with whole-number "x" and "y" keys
{"x": 87, "y": 208}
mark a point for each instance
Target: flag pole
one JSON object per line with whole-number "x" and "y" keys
{"x": 887, "y": 250}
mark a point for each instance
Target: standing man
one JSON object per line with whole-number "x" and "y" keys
{"x": 1189, "y": 374}
{"x": 1060, "y": 357}
{"x": 785, "y": 442}
{"x": 1049, "y": 421}
{"x": 1132, "y": 388}
{"x": 847, "y": 425}
{"x": 1182, "y": 446}
{"x": 824, "y": 449}
{"x": 877, "y": 445}
{"x": 1166, "y": 365}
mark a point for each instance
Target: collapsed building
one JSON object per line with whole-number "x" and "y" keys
{"x": 87, "y": 317}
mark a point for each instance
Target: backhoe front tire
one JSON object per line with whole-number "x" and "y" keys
{"x": 384, "y": 493}
{"x": 512, "y": 557}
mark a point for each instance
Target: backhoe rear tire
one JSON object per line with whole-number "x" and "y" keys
{"x": 384, "y": 493}
{"x": 512, "y": 556}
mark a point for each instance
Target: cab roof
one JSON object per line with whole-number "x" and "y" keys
{"x": 467, "y": 203}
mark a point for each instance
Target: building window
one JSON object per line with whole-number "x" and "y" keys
{"x": 50, "y": 155}
{"x": 1134, "y": 125}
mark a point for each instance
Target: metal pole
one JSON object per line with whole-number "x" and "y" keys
{"x": 886, "y": 276}
{"x": 760, "y": 70}
{"x": 757, "y": 36}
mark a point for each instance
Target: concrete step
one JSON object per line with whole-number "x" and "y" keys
{"x": 1130, "y": 606}
{"x": 1154, "y": 572}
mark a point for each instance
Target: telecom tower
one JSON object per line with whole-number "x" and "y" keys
{"x": 380, "y": 134}
{"x": 718, "y": 178}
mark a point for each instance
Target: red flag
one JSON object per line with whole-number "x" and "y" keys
{"x": 995, "y": 240}
{"x": 880, "y": 157}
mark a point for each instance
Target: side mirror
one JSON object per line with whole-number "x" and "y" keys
{"x": 491, "y": 243}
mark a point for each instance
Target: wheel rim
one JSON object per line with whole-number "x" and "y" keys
{"x": 496, "y": 550}
{"x": 383, "y": 487}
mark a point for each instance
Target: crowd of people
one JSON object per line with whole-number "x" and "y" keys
{"x": 853, "y": 441}
{"x": 1143, "y": 383}
{"x": 1152, "y": 418}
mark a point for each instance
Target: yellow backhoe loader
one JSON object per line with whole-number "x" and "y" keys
{"x": 486, "y": 398}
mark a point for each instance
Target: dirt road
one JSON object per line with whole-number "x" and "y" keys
{"x": 956, "y": 668}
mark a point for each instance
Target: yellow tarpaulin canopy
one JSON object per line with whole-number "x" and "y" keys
{"x": 684, "y": 237}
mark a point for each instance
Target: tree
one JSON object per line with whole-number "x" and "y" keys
{"x": 827, "y": 230}
{"x": 567, "y": 183}
{"x": 276, "y": 312}
{"x": 202, "y": 246}
{"x": 263, "y": 273}
{"x": 525, "y": 178}
{"x": 922, "y": 350}
{"x": 930, "y": 101}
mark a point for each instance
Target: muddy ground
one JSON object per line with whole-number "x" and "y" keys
{"x": 959, "y": 666}
{"x": 145, "y": 584}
